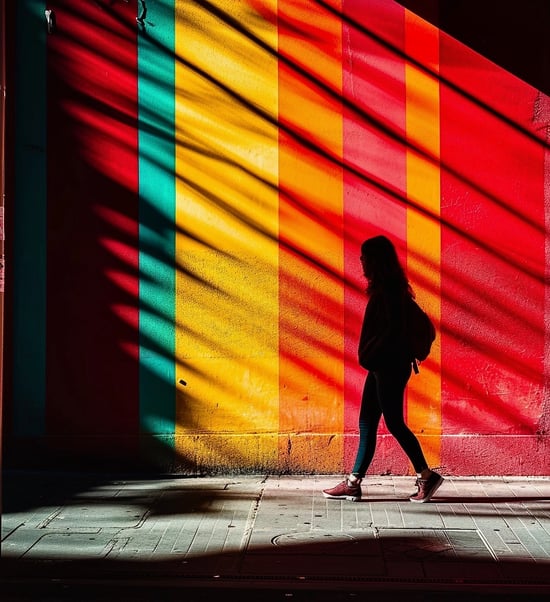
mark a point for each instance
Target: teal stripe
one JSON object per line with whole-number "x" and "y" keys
{"x": 30, "y": 222}
{"x": 157, "y": 194}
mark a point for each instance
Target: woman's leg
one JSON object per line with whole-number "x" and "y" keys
{"x": 391, "y": 390}
{"x": 369, "y": 419}
{"x": 383, "y": 393}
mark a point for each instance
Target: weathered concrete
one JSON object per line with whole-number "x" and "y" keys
{"x": 274, "y": 535}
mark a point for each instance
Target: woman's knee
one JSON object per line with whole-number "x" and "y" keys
{"x": 397, "y": 427}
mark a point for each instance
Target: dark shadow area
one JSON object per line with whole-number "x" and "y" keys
{"x": 297, "y": 578}
{"x": 24, "y": 490}
{"x": 167, "y": 590}
{"x": 164, "y": 591}
{"x": 514, "y": 35}
{"x": 154, "y": 456}
{"x": 270, "y": 561}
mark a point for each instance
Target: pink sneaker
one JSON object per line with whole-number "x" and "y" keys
{"x": 346, "y": 490}
{"x": 427, "y": 488}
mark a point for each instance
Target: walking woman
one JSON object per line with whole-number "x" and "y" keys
{"x": 384, "y": 352}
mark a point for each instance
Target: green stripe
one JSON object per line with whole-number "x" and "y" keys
{"x": 157, "y": 216}
{"x": 30, "y": 222}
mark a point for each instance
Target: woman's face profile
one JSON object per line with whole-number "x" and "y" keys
{"x": 363, "y": 260}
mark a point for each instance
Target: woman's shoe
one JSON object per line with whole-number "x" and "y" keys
{"x": 346, "y": 490}
{"x": 427, "y": 488}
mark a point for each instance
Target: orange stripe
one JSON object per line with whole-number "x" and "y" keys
{"x": 423, "y": 225}
{"x": 310, "y": 229}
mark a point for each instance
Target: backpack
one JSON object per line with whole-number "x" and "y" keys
{"x": 420, "y": 332}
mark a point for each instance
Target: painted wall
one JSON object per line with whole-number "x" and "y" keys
{"x": 189, "y": 194}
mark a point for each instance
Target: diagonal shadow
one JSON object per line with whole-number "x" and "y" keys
{"x": 512, "y": 35}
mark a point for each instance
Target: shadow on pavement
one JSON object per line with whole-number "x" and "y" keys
{"x": 270, "y": 576}
{"x": 271, "y": 562}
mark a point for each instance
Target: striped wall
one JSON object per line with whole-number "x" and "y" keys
{"x": 190, "y": 194}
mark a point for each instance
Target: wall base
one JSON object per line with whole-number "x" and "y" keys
{"x": 464, "y": 455}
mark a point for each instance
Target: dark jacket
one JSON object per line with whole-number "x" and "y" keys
{"x": 383, "y": 342}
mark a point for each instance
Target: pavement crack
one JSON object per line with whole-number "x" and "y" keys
{"x": 12, "y": 531}
{"x": 252, "y": 515}
{"x": 51, "y": 517}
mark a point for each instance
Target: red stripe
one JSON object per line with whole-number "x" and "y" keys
{"x": 374, "y": 154}
{"x": 493, "y": 252}
{"x": 92, "y": 317}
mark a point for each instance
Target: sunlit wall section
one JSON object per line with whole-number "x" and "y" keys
{"x": 226, "y": 235}
{"x": 310, "y": 236}
{"x": 492, "y": 272}
{"x": 191, "y": 191}
{"x": 157, "y": 195}
{"x": 423, "y": 226}
{"x": 374, "y": 180}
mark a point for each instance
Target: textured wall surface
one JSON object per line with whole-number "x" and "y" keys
{"x": 189, "y": 194}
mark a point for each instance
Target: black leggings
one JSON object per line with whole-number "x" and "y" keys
{"x": 383, "y": 393}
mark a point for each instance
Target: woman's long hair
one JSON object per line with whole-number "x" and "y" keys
{"x": 382, "y": 268}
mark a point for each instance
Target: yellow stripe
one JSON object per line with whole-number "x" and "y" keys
{"x": 227, "y": 223}
{"x": 423, "y": 226}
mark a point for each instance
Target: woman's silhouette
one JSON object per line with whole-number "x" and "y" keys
{"x": 384, "y": 352}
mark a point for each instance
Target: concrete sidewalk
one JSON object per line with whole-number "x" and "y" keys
{"x": 102, "y": 538}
